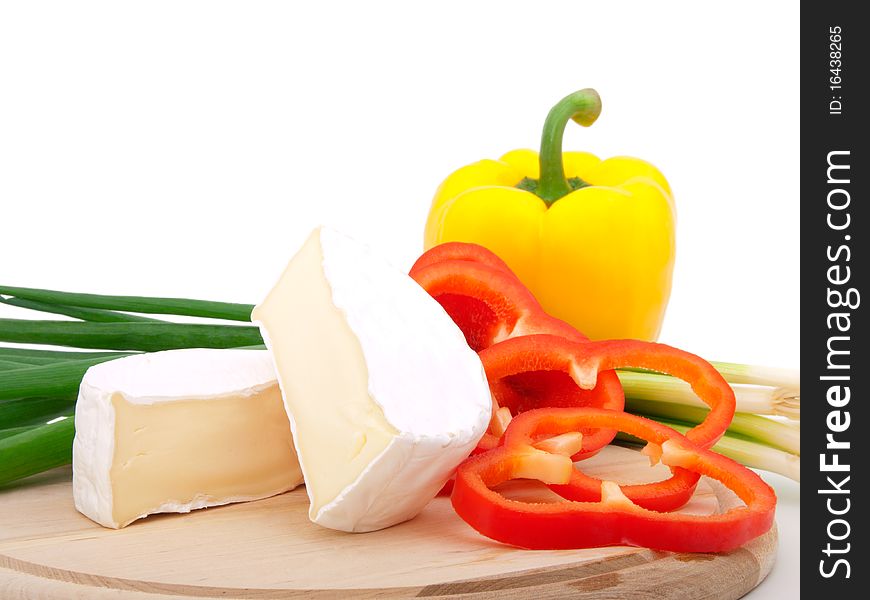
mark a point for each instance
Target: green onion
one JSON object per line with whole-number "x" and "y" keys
{"x": 37, "y": 449}
{"x": 751, "y": 398}
{"x": 762, "y": 429}
{"x": 775, "y": 377}
{"x": 128, "y": 336}
{"x": 7, "y": 365}
{"x": 5, "y": 433}
{"x": 31, "y": 411}
{"x": 85, "y": 314}
{"x": 787, "y": 381}
{"x": 59, "y": 379}
{"x": 137, "y": 304}
{"x": 744, "y": 450}
{"x": 25, "y": 361}
{"x": 45, "y": 357}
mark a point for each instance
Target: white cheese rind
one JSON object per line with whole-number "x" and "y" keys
{"x": 236, "y": 380}
{"x": 165, "y": 376}
{"x": 396, "y": 486}
{"x": 93, "y": 448}
{"x": 421, "y": 375}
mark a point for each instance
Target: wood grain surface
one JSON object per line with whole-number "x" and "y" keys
{"x": 269, "y": 549}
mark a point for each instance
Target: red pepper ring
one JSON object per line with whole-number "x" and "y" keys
{"x": 707, "y": 383}
{"x": 460, "y": 251}
{"x": 585, "y": 360}
{"x": 488, "y": 304}
{"x": 613, "y": 520}
{"x": 515, "y": 292}
{"x": 538, "y": 371}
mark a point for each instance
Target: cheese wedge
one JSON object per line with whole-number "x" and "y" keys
{"x": 384, "y": 395}
{"x": 179, "y": 430}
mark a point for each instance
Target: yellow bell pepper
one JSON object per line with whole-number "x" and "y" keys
{"x": 592, "y": 239}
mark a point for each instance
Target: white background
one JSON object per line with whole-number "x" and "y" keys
{"x": 171, "y": 148}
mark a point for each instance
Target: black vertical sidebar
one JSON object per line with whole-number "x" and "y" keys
{"x": 835, "y": 222}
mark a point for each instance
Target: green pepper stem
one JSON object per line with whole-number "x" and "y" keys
{"x": 583, "y": 107}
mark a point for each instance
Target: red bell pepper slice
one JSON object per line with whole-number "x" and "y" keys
{"x": 483, "y": 296}
{"x": 487, "y": 303}
{"x": 460, "y": 251}
{"x": 584, "y": 361}
{"x": 614, "y": 519}
{"x": 536, "y": 371}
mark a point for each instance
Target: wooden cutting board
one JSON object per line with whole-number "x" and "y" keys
{"x": 269, "y": 549}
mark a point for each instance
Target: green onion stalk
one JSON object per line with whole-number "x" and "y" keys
{"x": 777, "y": 397}
{"x": 36, "y": 449}
{"x": 745, "y": 450}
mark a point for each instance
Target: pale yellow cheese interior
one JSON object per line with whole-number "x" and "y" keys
{"x": 220, "y": 450}
{"x": 339, "y": 428}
